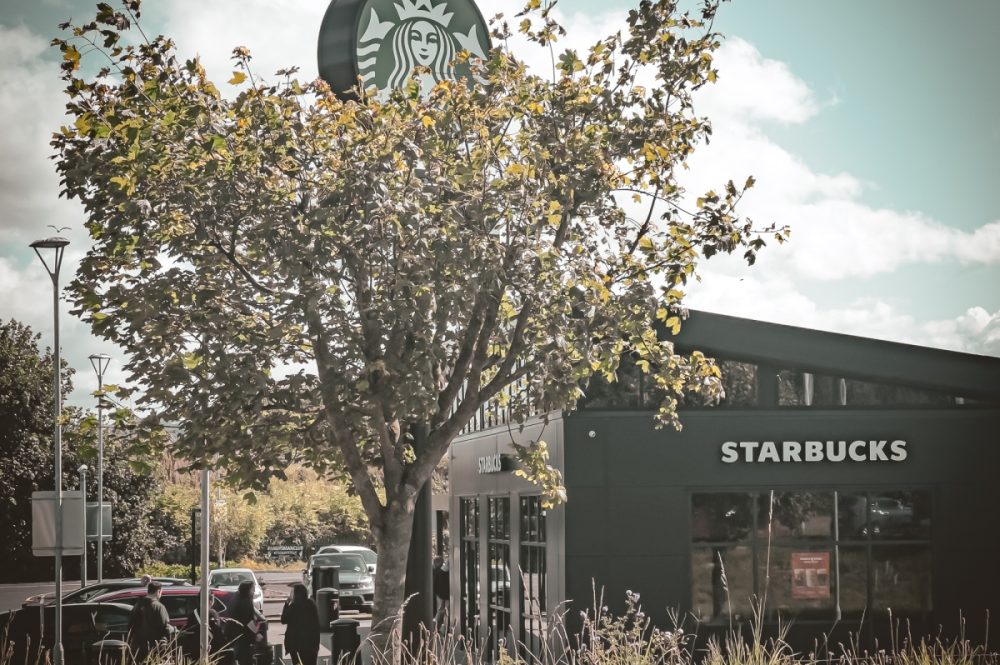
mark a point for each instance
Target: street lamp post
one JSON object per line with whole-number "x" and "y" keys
{"x": 205, "y": 636}
{"x": 100, "y": 362}
{"x": 82, "y": 470}
{"x": 58, "y": 245}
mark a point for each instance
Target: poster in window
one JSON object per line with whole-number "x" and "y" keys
{"x": 810, "y": 575}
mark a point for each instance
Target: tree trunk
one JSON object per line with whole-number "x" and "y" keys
{"x": 393, "y": 547}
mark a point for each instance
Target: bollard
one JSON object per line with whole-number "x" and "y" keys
{"x": 345, "y": 641}
{"x": 328, "y": 607}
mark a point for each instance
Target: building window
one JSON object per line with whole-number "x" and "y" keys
{"x": 469, "y": 566}
{"x": 498, "y": 577}
{"x": 534, "y": 579}
{"x": 808, "y": 554}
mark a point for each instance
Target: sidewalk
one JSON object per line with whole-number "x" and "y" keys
{"x": 276, "y": 636}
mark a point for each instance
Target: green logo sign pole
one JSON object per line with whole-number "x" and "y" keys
{"x": 377, "y": 43}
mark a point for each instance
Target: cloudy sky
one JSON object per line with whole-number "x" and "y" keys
{"x": 871, "y": 129}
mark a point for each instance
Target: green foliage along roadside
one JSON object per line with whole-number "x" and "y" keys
{"x": 296, "y": 508}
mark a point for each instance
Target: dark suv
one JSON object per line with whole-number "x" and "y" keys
{"x": 84, "y": 624}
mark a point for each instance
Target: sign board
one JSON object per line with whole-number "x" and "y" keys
{"x": 810, "y": 575}
{"x": 377, "y": 43}
{"x": 493, "y": 463}
{"x": 43, "y": 523}
{"x": 94, "y": 515}
{"x": 872, "y": 450}
{"x": 291, "y": 551}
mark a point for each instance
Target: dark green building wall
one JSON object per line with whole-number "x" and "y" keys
{"x": 628, "y": 525}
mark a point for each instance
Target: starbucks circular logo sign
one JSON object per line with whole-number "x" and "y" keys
{"x": 379, "y": 42}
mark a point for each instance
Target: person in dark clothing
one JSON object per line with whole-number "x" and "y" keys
{"x": 302, "y": 635}
{"x": 190, "y": 638}
{"x": 442, "y": 590}
{"x": 243, "y": 612}
{"x": 148, "y": 624}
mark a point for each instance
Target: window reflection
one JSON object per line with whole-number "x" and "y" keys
{"x": 900, "y": 515}
{"x": 720, "y": 517}
{"x": 534, "y": 615}
{"x": 722, "y": 582}
{"x": 793, "y": 558}
{"x": 795, "y": 515}
{"x": 901, "y": 578}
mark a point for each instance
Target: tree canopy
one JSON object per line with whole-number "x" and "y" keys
{"x": 300, "y": 278}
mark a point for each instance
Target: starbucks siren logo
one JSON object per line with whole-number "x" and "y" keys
{"x": 378, "y": 43}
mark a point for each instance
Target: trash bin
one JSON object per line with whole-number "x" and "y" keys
{"x": 109, "y": 652}
{"x": 328, "y": 607}
{"x": 345, "y": 641}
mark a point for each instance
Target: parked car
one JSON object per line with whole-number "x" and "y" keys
{"x": 83, "y": 625}
{"x": 230, "y": 579}
{"x": 85, "y": 594}
{"x": 356, "y": 584}
{"x": 371, "y": 559}
{"x": 182, "y": 602}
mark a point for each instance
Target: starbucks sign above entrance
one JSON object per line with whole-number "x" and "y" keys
{"x": 381, "y": 41}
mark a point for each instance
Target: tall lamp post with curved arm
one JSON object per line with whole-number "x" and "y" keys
{"x": 58, "y": 245}
{"x": 100, "y": 361}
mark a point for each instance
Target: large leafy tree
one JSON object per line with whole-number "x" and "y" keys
{"x": 344, "y": 283}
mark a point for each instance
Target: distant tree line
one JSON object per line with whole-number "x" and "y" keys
{"x": 152, "y": 496}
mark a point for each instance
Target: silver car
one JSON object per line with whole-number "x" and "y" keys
{"x": 356, "y": 584}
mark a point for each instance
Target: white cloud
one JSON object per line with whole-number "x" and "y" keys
{"x": 835, "y": 235}
{"x": 752, "y": 87}
{"x": 31, "y": 104}
{"x": 767, "y": 297}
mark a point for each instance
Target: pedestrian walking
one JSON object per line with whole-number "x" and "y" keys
{"x": 148, "y": 624}
{"x": 248, "y": 618}
{"x": 302, "y": 633}
{"x": 190, "y": 638}
{"x": 442, "y": 591}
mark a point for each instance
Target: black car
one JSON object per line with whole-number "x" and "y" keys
{"x": 84, "y": 624}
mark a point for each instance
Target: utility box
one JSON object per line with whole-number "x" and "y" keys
{"x": 44, "y": 540}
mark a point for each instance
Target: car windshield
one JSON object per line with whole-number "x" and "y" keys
{"x": 346, "y": 562}
{"x": 370, "y": 557}
{"x": 231, "y": 578}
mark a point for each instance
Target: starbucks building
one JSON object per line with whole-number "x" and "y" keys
{"x": 843, "y": 485}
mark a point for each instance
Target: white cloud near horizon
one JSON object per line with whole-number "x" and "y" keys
{"x": 836, "y": 235}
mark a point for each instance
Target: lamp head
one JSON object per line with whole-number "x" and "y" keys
{"x": 82, "y": 468}
{"x": 55, "y": 242}
{"x": 58, "y": 243}
{"x": 100, "y": 362}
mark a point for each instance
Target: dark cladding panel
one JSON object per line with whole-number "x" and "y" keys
{"x": 647, "y": 520}
{"x": 590, "y": 526}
